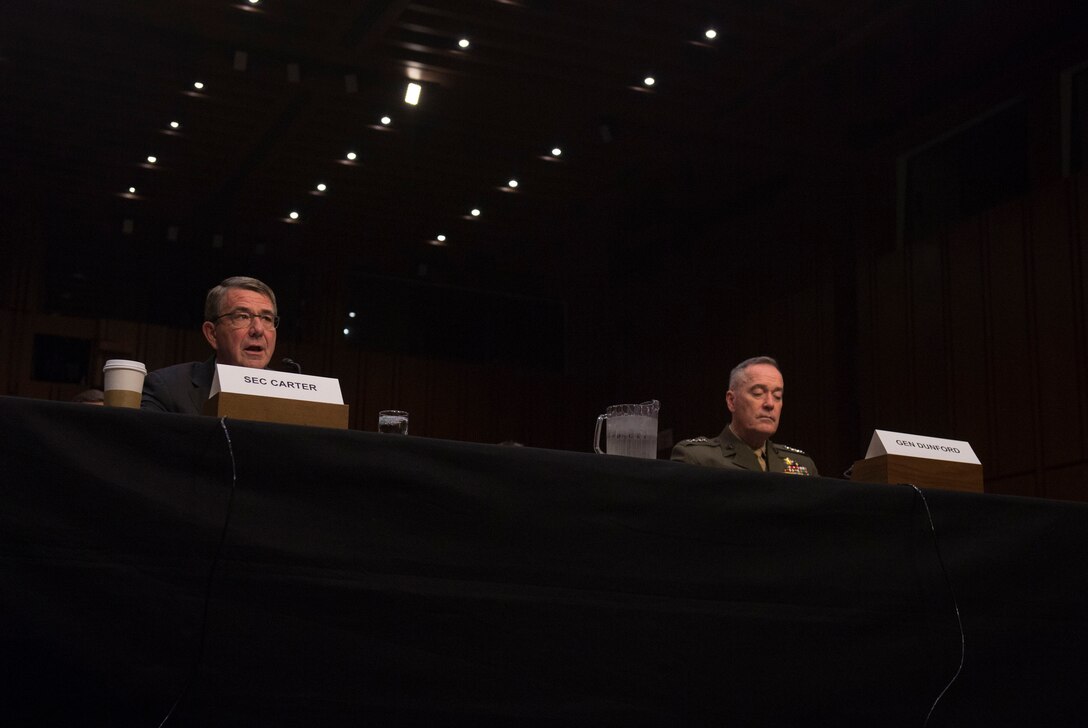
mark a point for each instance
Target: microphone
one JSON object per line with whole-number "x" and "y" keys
{"x": 293, "y": 364}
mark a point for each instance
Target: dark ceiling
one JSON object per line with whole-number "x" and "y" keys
{"x": 290, "y": 87}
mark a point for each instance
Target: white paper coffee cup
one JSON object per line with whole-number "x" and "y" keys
{"x": 124, "y": 382}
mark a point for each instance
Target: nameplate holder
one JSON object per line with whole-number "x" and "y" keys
{"x": 920, "y": 446}
{"x": 283, "y": 397}
{"x": 932, "y": 462}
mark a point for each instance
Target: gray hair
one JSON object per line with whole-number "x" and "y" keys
{"x": 216, "y": 295}
{"x": 737, "y": 375}
{"x": 90, "y": 395}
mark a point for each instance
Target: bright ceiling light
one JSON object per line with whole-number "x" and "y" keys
{"x": 351, "y": 314}
{"x": 175, "y": 125}
{"x": 440, "y": 238}
{"x": 152, "y": 159}
{"x": 475, "y": 212}
{"x": 350, "y": 156}
{"x": 411, "y": 94}
{"x": 321, "y": 187}
{"x": 711, "y": 34}
{"x": 132, "y": 190}
{"x": 649, "y": 80}
{"x": 556, "y": 151}
{"x": 198, "y": 85}
{"x": 293, "y": 215}
{"x": 347, "y": 331}
{"x": 463, "y": 43}
{"x": 254, "y": 2}
{"x": 386, "y": 120}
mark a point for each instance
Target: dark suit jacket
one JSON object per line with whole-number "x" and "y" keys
{"x": 726, "y": 451}
{"x": 182, "y": 388}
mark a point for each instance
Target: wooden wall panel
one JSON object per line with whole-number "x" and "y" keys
{"x": 29, "y": 325}
{"x": 359, "y": 405}
{"x": 476, "y": 391}
{"x": 1067, "y": 483}
{"x": 993, "y": 324}
{"x": 866, "y": 355}
{"x": 1024, "y": 485}
{"x": 791, "y": 332}
{"x": 929, "y": 340}
{"x": 514, "y": 412}
{"x": 544, "y": 411}
{"x": 411, "y": 393}
{"x": 839, "y": 440}
{"x": 121, "y": 338}
{"x": 502, "y": 402}
{"x": 157, "y": 347}
{"x": 8, "y": 350}
{"x": 379, "y": 391}
{"x": 1011, "y": 363}
{"x": 445, "y": 386}
{"x": 344, "y": 364}
{"x": 969, "y": 391}
{"x": 889, "y": 342}
{"x": 1055, "y": 328}
{"x": 1079, "y": 234}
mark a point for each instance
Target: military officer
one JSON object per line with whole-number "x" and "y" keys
{"x": 755, "y": 400}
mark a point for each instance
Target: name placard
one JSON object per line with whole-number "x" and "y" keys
{"x": 281, "y": 385}
{"x": 920, "y": 446}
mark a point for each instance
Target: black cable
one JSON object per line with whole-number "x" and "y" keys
{"x": 955, "y": 604}
{"x": 211, "y": 575}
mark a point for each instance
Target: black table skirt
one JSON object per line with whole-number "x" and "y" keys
{"x": 280, "y": 575}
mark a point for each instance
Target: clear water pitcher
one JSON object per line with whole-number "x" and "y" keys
{"x": 631, "y": 430}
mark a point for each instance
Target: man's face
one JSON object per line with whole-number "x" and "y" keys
{"x": 756, "y": 404}
{"x": 249, "y": 346}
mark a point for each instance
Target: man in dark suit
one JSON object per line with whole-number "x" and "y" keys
{"x": 240, "y": 323}
{"x": 755, "y": 401}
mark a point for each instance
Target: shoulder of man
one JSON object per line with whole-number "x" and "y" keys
{"x": 164, "y": 388}
{"x": 698, "y": 451}
{"x": 698, "y": 442}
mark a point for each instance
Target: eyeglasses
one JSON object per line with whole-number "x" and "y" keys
{"x": 243, "y": 319}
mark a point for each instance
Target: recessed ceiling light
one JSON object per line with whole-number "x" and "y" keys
{"x": 351, "y": 314}
{"x": 152, "y": 159}
{"x": 293, "y": 215}
{"x": 512, "y": 183}
{"x": 175, "y": 125}
{"x": 254, "y": 2}
{"x": 347, "y": 331}
{"x": 475, "y": 212}
{"x": 649, "y": 80}
{"x": 556, "y": 151}
{"x": 711, "y": 34}
{"x": 198, "y": 85}
{"x": 132, "y": 190}
{"x": 350, "y": 156}
{"x": 321, "y": 187}
{"x": 411, "y": 94}
{"x": 386, "y": 120}
{"x": 440, "y": 238}
{"x": 463, "y": 43}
